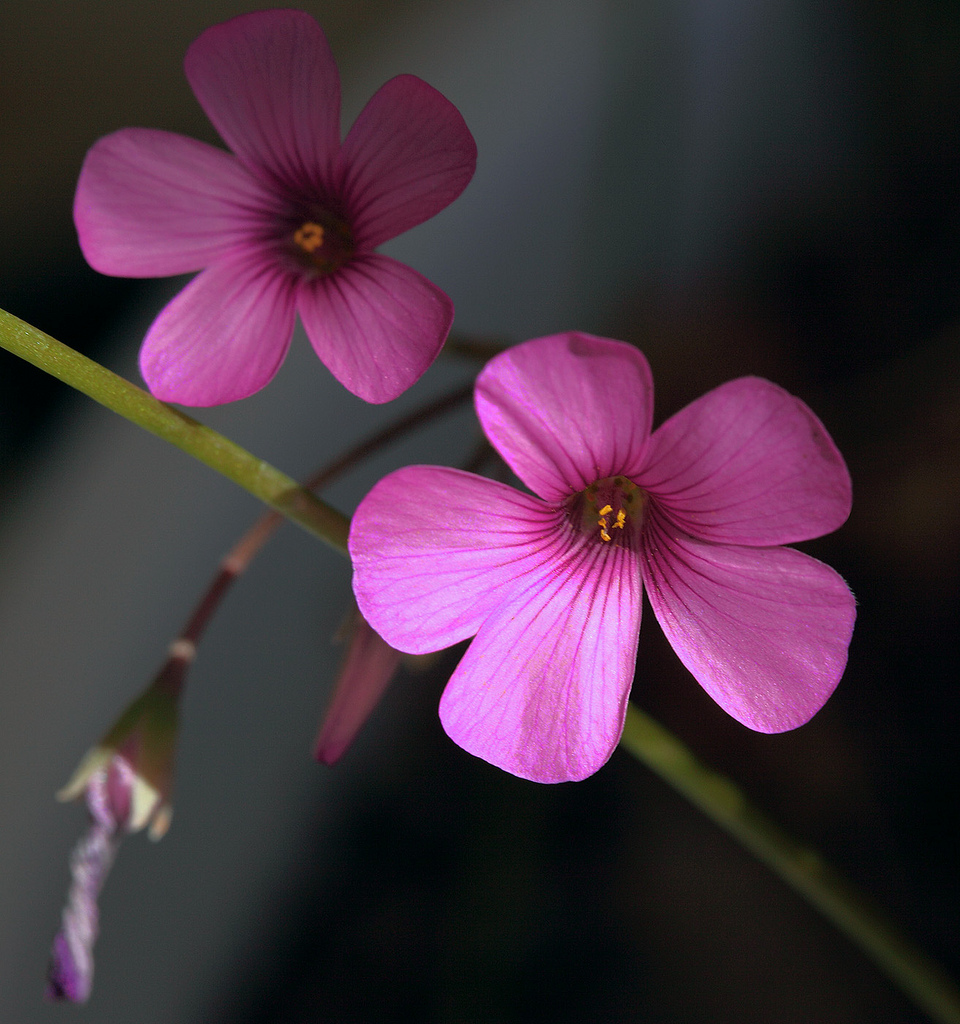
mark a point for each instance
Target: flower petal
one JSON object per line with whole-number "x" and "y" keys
{"x": 70, "y": 971}
{"x": 567, "y": 410}
{"x": 436, "y": 550}
{"x": 268, "y": 82}
{"x": 408, "y": 155}
{"x": 152, "y": 203}
{"x": 542, "y": 690}
{"x": 223, "y": 337}
{"x": 376, "y": 324}
{"x": 764, "y": 631}
{"x": 748, "y": 464}
{"x": 363, "y": 679}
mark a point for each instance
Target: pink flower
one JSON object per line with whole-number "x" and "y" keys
{"x": 550, "y": 584}
{"x": 287, "y": 224}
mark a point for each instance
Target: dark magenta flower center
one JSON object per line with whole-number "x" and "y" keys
{"x": 610, "y": 510}
{"x": 321, "y": 243}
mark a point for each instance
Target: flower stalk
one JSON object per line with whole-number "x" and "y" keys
{"x": 239, "y": 557}
{"x": 799, "y": 866}
{"x": 262, "y": 480}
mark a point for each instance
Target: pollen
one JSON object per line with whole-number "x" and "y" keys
{"x": 309, "y": 236}
{"x": 619, "y": 523}
{"x": 602, "y": 521}
{"x": 318, "y": 242}
{"x": 612, "y": 504}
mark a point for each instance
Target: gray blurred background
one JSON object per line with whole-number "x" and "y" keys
{"x": 737, "y": 187}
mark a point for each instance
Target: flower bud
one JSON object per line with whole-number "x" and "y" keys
{"x": 143, "y": 739}
{"x": 366, "y": 671}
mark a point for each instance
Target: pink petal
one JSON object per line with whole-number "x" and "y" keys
{"x": 748, "y": 464}
{"x": 567, "y": 410}
{"x": 764, "y": 631}
{"x": 542, "y": 690}
{"x": 376, "y": 325}
{"x": 436, "y": 550}
{"x": 152, "y": 203}
{"x": 408, "y": 155}
{"x": 269, "y": 84}
{"x": 223, "y": 337}
{"x": 363, "y": 679}
{"x": 70, "y": 971}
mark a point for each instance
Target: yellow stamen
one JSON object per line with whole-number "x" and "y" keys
{"x": 602, "y": 521}
{"x": 309, "y": 236}
{"x": 608, "y": 505}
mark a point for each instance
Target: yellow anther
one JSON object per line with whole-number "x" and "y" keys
{"x": 602, "y": 521}
{"x": 309, "y": 236}
{"x": 607, "y": 505}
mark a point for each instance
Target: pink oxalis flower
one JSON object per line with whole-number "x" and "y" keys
{"x": 287, "y": 223}
{"x": 550, "y": 583}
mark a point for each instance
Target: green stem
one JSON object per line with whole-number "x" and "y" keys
{"x": 801, "y": 867}
{"x": 276, "y": 489}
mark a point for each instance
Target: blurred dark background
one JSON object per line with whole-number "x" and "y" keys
{"x": 735, "y": 187}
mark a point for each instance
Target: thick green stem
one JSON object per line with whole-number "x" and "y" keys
{"x": 907, "y": 965}
{"x": 271, "y": 486}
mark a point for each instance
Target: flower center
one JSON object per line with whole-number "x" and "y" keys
{"x": 322, "y": 243}
{"x": 610, "y": 510}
